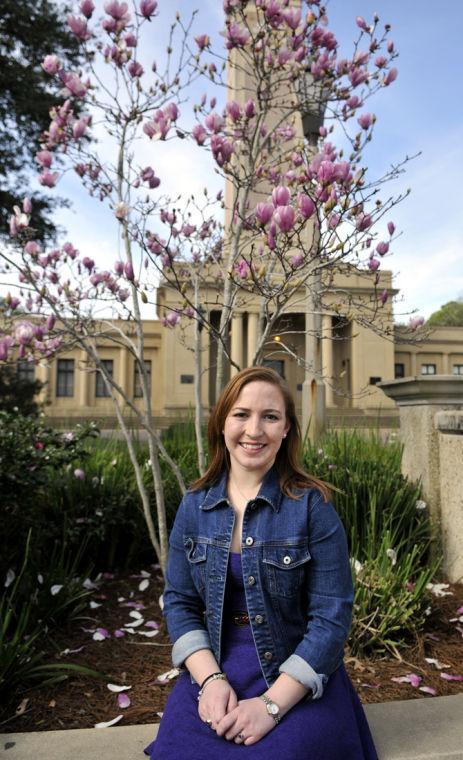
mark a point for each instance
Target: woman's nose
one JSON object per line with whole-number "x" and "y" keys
{"x": 254, "y": 426}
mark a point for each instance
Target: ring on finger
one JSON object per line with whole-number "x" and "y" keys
{"x": 241, "y": 737}
{"x": 209, "y": 722}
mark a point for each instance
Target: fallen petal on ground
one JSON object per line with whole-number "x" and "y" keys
{"x": 108, "y": 723}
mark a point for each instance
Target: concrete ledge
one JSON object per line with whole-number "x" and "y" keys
{"x": 416, "y": 729}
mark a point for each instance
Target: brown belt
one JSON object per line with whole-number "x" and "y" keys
{"x": 239, "y": 618}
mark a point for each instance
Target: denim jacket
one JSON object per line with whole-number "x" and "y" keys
{"x": 296, "y": 573}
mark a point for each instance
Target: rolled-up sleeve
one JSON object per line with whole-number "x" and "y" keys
{"x": 183, "y": 606}
{"x": 329, "y": 604}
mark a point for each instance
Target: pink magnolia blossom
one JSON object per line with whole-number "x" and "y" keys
{"x": 199, "y": 134}
{"x": 416, "y": 322}
{"x": 171, "y": 110}
{"x": 366, "y": 120}
{"x": 264, "y": 212}
{"x": 233, "y": 110}
{"x": 78, "y": 26}
{"x": 353, "y": 102}
{"x": 86, "y": 8}
{"x": 147, "y": 8}
{"x": 222, "y": 149}
{"x": 451, "y": 677}
{"x": 50, "y": 323}
{"x": 130, "y": 39}
{"x": 118, "y": 11}
{"x": 48, "y": 179}
{"x": 323, "y": 131}
{"x": 171, "y": 319}
{"x": 242, "y": 269}
{"x": 128, "y": 271}
{"x": 390, "y": 77}
{"x": 135, "y": 69}
{"x": 24, "y": 332}
{"x": 382, "y": 248}
{"x": 285, "y": 217}
{"x": 203, "y": 41}
{"x": 280, "y": 196}
{"x": 390, "y": 46}
{"x": 27, "y": 205}
{"x": 384, "y": 296}
{"x": 149, "y": 176}
{"x": 334, "y": 220}
{"x": 32, "y": 248}
{"x": 361, "y": 23}
{"x": 380, "y": 61}
{"x": 5, "y": 345}
{"x": 79, "y": 127}
{"x": 70, "y": 251}
{"x": 214, "y": 122}
{"x": 306, "y": 205}
{"x": 44, "y": 158}
{"x": 249, "y": 109}
{"x": 74, "y": 85}
{"x": 363, "y": 222}
{"x": 236, "y": 36}
{"x": 88, "y": 263}
{"x": 51, "y": 64}
{"x": 119, "y": 268}
{"x": 292, "y": 16}
{"x": 391, "y": 228}
{"x": 326, "y": 172}
{"x": 297, "y": 260}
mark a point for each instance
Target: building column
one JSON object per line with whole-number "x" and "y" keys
{"x": 43, "y": 373}
{"x": 446, "y": 364}
{"x": 328, "y": 357}
{"x": 253, "y": 323}
{"x": 237, "y": 342}
{"x": 84, "y": 379}
{"x": 413, "y": 364}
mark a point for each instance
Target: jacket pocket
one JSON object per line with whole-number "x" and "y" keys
{"x": 196, "y": 553}
{"x": 285, "y": 568}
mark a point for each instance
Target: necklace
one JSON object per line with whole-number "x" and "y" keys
{"x": 243, "y": 496}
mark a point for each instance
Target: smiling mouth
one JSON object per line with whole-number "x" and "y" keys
{"x": 252, "y": 446}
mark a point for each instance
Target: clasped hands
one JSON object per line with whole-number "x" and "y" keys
{"x": 244, "y": 721}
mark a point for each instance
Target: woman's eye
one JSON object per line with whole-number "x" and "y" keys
{"x": 272, "y": 417}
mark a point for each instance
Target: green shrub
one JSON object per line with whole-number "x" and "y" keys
{"x": 28, "y": 608}
{"x": 388, "y": 536}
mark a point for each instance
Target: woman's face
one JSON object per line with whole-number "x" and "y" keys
{"x": 255, "y": 427}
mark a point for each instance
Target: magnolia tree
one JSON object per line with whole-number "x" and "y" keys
{"x": 298, "y": 208}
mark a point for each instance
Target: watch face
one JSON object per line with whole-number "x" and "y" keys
{"x": 274, "y": 709}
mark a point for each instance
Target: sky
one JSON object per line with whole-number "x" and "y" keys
{"x": 420, "y": 113}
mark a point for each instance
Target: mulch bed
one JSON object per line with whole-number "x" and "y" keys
{"x": 137, "y": 661}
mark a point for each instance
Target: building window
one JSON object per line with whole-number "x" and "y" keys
{"x": 458, "y": 369}
{"x": 428, "y": 369}
{"x": 375, "y": 380}
{"x": 137, "y": 392}
{"x": 187, "y": 379}
{"x": 277, "y": 364}
{"x": 101, "y": 390}
{"x": 25, "y": 371}
{"x": 399, "y": 370}
{"x": 65, "y": 378}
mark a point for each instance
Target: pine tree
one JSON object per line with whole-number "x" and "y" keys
{"x": 29, "y": 30}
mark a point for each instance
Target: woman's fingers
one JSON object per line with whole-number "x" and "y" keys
{"x": 224, "y": 725}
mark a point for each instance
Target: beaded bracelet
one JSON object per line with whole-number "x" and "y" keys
{"x": 213, "y": 677}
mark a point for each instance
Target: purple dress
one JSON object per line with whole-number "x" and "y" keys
{"x": 328, "y": 728}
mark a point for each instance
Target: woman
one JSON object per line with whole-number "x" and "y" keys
{"x": 258, "y": 597}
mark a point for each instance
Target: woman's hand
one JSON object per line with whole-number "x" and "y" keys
{"x": 217, "y": 699}
{"x": 249, "y": 718}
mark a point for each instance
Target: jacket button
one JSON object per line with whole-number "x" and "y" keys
{"x": 259, "y": 619}
{"x": 249, "y": 541}
{"x": 251, "y": 580}
{"x": 286, "y": 560}
{"x": 268, "y": 655}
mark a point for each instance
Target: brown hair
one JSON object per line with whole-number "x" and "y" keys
{"x": 287, "y": 462}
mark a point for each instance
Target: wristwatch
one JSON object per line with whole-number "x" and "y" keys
{"x": 272, "y": 708}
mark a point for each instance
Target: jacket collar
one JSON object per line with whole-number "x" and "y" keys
{"x": 270, "y": 491}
